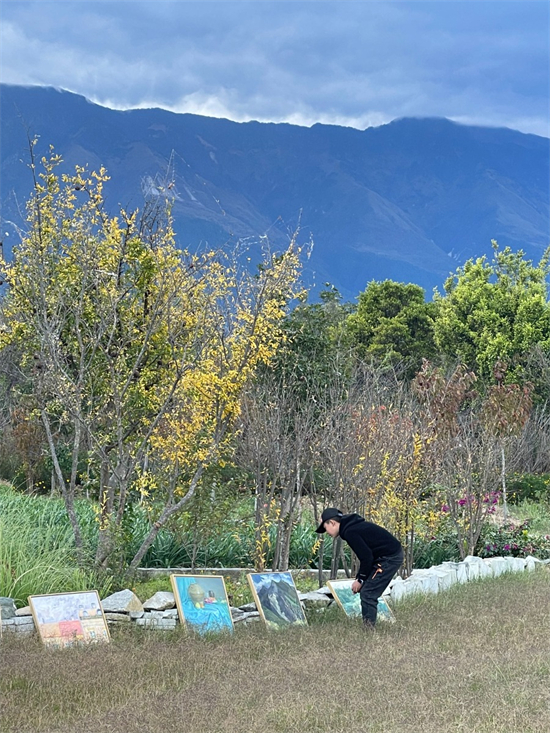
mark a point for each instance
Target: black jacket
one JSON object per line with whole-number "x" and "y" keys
{"x": 368, "y": 541}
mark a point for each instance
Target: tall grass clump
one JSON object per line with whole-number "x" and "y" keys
{"x": 37, "y": 551}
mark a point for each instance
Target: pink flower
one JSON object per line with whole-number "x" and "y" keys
{"x": 445, "y": 508}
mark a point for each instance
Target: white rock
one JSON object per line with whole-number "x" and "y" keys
{"x": 151, "y": 622}
{"x": 125, "y": 601}
{"x": 498, "y": 565}
{"x": 429, "y": 580}
{"x": 247, "y": 618}
{"x": 408, "y": 587}
{"x": 416, "y": 585}
{"x": 473, "y": 570}
{"x": 485, "y": 570}
{"x": 314, "y": 600}
{"x": 461, "y": 573}
{"x": 477, "y": 568}
{"x": 247, "y": 607}
{"x": 447, "y": 576}
{"x": 161, "y": 601}
{"x": 117, "y": 618}
{"x": 325, "y": 589}
{"x": 516, "y": 564}
{"x": 7, "y": 606}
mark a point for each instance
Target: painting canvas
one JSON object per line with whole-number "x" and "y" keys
{"x": 202, "y": 602}
{"x": 66, "y": 619}
{"x": 350, "y": 602}
{"x": 277, "y": 599}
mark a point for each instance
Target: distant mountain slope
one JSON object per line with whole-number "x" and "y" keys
{"x": 409, "y": 200}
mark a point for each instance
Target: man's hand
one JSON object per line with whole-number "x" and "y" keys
{"x": 356, "y": 586}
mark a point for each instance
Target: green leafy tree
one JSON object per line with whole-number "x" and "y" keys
{"x": 315, "y": 346}
{"x": 494, "y": 310}
{"x": 393, "y": 323}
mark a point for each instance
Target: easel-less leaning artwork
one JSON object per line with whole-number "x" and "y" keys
{"x": 277, "y": 599}
{"x": 350, "y": 602}
{"x": 66, "y": 619}
{"x": 202, "y": 602}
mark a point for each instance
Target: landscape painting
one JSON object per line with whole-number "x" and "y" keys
{"x": 202, "y": 602}
{"x": 350, "y": 602}
{"x": 277, "y": 599}
{"x": 67, "y": 619}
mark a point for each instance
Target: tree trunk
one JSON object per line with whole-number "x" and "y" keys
{"x": 105, "y": 545}
{"x": 336, "y": 549}
{"x": 503, "y": 478}
{"x": 68, "y": 496}
{"x": 321, "y": 562}
{"x": 167, "y": 512}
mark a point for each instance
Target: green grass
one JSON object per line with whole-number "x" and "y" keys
{"x": 37, "y": 553}
{"x": 537, "y": 512}
{"x": 472, "y": 660}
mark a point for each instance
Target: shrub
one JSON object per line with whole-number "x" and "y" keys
{"x": 529, "y": 486}
{"x": 512, "y": 539}
{"x": 435, "y": 550}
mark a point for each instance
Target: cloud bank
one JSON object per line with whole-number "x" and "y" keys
{"x": 355, "y": 63}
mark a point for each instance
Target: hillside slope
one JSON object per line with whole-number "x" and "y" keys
{"x": 410, "y": 200}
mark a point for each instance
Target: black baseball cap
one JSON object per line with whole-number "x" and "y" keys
{"x": 330, "y": 513}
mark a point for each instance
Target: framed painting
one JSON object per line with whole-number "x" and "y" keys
{"x": 66, "y": 619}
{"x": 202, "y": 602}
{"x": 350, "y": 602}
{"x": 277, "y": 599}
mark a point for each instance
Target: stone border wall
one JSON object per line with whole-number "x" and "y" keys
{"x": 148, "y": 573}
{"x": 160, "y": 612}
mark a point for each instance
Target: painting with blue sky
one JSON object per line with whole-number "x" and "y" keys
{"x": 277, "y": 599}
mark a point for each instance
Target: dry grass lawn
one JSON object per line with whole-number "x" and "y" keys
{"x": 473, "y": 660}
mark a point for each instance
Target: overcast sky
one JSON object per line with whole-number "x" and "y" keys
{"x": 348, "y": 62}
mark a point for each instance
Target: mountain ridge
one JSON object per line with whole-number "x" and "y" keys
{"x": 410, "y": 200}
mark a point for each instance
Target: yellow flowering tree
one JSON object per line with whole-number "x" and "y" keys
{"x": 134, "y": 352}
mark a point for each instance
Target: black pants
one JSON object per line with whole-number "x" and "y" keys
{"x": 383, "y": 570}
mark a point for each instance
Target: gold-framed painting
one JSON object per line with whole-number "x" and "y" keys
{"x": 67, "y": 619}
{"x": 202, "y": 602}
{"x": 277, "y": 599}
{"x": 350, "y": 602}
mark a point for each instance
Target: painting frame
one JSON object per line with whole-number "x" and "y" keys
{"x": 281, "y": 585}
{"x": 202, "y": 616}
{"x": 350, "y": 603}
{"x": 69, "y": 619}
